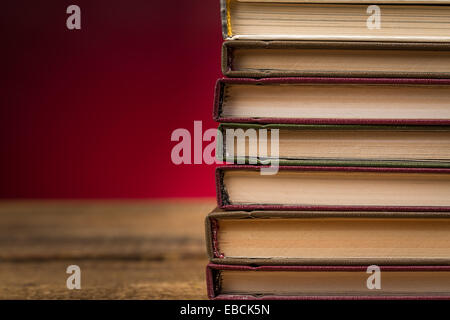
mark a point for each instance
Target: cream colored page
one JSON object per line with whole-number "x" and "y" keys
{"x": 338, "y": 188}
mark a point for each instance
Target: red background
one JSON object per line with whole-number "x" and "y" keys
{"x": 89, "y": 113}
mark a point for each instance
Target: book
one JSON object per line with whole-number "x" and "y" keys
{"x": 333, "y": 101}
{"x": 332, "y": 145}
{"x": 260, "y": 59}
{"x": 328, "y": 237}
{"x": 243, "y": 187}
{"x": 336, "y": 20}
{"x": 347, "y": 101}
{"x": 239, "y": 282}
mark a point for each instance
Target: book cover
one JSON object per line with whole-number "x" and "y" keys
{"x": 357, "y": 59}
{"x": 320, "y": 188}
{"x": 430, "y": 89}
{"x": 337, "y": 145}
{"x": 301, "y": 237}
{"x": 326, "y": 283}
{"x": 401, "y": 21}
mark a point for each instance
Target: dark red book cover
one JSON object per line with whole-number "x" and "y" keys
{"x": 214, "y": 286}
{"x": 221, "y": 83}
{"x": 223, "y": 201}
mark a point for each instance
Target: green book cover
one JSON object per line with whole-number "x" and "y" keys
{"x": 439, "y": 133}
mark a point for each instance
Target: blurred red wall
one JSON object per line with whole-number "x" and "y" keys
{"x": 89, "y": 113}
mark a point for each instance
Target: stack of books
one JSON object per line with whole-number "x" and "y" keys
{"x": 349, "y": 103}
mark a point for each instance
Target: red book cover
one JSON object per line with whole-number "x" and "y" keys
{"x": 439, "y": 273}
{"x": 222, "y": 83}
{"x": 224, "y": 201}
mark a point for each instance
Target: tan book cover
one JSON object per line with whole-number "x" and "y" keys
{"x": 328, "y": 237}
{"x": 401, "y": 21}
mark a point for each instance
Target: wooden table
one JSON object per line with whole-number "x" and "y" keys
{"x": 125, "y": 249}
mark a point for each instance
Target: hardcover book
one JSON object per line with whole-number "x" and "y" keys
{"x": 334, "y": 188}
{"x": 240, "y": 282}
{"x": 260, "y": 59}
{"x": 344, "y": 145}
{"x": 333, "y": 101}
{"x": 328, "y": 238}
{"x": 351, "y": 111}
{"x": 336, "y": 20}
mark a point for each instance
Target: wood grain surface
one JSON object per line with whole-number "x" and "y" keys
{"x": 125, "y": 249}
